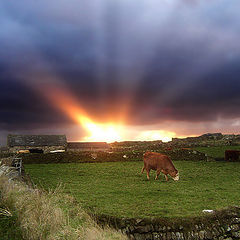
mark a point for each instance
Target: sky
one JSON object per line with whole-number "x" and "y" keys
{"x": 143, "y": 69}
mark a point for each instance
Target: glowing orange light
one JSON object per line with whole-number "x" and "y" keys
{"x": 165, "y": 136}
{"x": 63, "y": 100}
{"x": 108, "y": 132}
{"x": 101, "y": 132}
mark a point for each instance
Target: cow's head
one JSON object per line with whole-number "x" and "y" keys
{"x": 176, "y": 177}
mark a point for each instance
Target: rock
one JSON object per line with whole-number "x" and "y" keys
{"x": 221, "y": 238}
{"x": 209, "y": 234}
{"x": 215, "y": 231}
{"x": 169, "y": 235}
{"x": 236, "y": 234}
{"x": 236, "y": 220}
{"x": 157, "y": 236}
{"x": 208, "y": 211}
{"x": 139, "y": 236}
{"x": 235, "y": 227}
{"x": 180, "y": 227}
{"x": 148, "y": 236}
{"x": 143, "y": 229}
{"x": 173, "y": 237}
{"x": 202, "y": 234}
{"x": 125, "y": 231}
{"x": 164, "y": 236}
{"x": 196, "y": 235}
{"x": 191, "y": 235}
{"x": 131, "y": 229}
{"x": 138, "y": 221}
{"x": 131, "y": 237}
{"x": 179, "y": 236}
{"x": 223, "y": 229}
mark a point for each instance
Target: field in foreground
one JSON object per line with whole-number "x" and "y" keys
{"x": 118, "y": 189}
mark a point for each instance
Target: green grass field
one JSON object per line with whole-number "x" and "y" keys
{"x": 216, "y": 152}
{"x": 118, "y": 188}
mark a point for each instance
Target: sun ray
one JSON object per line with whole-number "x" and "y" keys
{"x": 109, "y": 131}
{"x": 65, "y": 101}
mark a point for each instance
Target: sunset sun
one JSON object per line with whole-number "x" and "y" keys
{"x": 102, "y": 132}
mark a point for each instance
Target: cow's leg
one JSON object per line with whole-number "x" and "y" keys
{"x": 158, "y": 172}
{"x": 144, "y": 167}
{"x": 148, "y": 170}
{"x": 165, "y": 173}
{"x": 166, "y": 177}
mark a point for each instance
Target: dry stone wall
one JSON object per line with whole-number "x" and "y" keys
{"x": 46, "y": 149}
{"x": 187, "y": 155}
{"x": 224, "y": 225}
{"x": 80, "y": 157}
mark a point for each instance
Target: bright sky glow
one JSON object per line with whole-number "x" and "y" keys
{"x": 96, "y": 131}
{"x": 165, "y": 136}
{"x": 101, "y": 132}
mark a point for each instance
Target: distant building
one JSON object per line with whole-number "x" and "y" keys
{"x": 87, "y": 146}
{"x": 46, "y": 143}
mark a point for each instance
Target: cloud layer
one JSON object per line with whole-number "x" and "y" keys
{"x": 153, "y": 61}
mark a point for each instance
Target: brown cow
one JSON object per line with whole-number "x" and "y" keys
{"x": 161, "y": 163}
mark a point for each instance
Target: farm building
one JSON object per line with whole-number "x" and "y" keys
{"x": 87, "y": 146}
{"x": 46, "y": 143}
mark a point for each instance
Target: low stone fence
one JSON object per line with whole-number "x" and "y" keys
{"x": 13, "y": 163}
{"x": 83, "y": 157}
{"x": 78, "y": 157}
{"x": 220, "y": 225}
{"x": 186, "y": 154}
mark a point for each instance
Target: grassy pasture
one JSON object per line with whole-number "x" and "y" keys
{"x": 118, "y": 188}
{"x": 216, "y": 152}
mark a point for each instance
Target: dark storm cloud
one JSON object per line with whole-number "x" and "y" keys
{"x": 215, "y": 94}
{"x": 167, "y": 60}
{"x": 22, "y": 109}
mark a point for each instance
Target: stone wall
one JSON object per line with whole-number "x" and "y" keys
{"x": 46, "y": 149}
{"x": 185, "y": 154}
{"x": 89, "y": 149}
{"x": 81, "y": 157}
{"x": 77, "y": 157}
{"x": 218, "y": 225}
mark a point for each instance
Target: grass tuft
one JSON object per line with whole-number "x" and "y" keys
{"x": 5, "y": 212}
{"x": 50, "y": 215}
